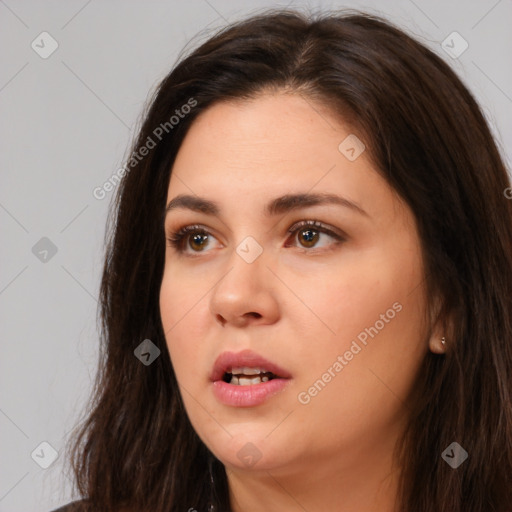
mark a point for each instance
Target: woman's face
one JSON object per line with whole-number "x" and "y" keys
{"x": 334, "y": 310}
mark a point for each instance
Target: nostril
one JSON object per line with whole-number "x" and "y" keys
{"x": 255, "y": 315}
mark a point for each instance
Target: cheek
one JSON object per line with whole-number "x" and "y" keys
{"x": 370, "y": 315}
{"x": 183, "y": 300}
{"x": 179, "y": 306}
{"x": 345, "y": 299}
{"x": 370, "y": 289}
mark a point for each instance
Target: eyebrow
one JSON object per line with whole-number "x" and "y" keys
{"x": 277, "y": 206}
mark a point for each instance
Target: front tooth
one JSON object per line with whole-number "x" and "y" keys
{"x": 245, "y": 381}
{"x": 250, "y": 371}
{"x": 246, "y": 371}
{"x": 234, "y": 380}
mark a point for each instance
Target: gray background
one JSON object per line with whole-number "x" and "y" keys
{"x": 66, "y": 124}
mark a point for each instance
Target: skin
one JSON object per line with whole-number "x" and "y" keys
{"x": 335, "y": 452}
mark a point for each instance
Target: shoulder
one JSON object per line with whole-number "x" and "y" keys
{"x": 79, "y": 506}
{"x": 75, "y": 506}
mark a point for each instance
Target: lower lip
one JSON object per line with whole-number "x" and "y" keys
{"x": 247, "y": 396}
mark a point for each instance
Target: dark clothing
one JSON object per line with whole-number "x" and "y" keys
{"x": 75, "y": 506}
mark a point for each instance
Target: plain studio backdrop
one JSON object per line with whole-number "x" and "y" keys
{"x": 75, "y": 76}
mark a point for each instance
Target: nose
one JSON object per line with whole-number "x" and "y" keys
{"x": 246, "y": 294}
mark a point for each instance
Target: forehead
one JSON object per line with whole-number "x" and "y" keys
{"x": 271, "y": 138}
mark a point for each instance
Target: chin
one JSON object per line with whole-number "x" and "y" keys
{"x": 250, "y": 451}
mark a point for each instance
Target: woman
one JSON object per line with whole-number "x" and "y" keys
{"x": 306, "y": 296}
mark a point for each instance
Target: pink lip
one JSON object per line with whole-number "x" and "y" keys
{"x": 246, "y": 396}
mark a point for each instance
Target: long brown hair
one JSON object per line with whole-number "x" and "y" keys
{"x": 428, "y": 137}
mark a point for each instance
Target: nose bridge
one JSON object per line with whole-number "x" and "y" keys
{"x": 246, "y": 267}
{"x": 246, "y": 287}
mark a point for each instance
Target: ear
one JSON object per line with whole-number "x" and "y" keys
{"x": 438, "y": 341}
{"x": 442, "y": 329}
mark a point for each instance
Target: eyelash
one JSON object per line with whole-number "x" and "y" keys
{"x": 177, "y": 238}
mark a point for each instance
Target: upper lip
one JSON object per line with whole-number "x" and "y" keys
{"x": 247, "y": 358}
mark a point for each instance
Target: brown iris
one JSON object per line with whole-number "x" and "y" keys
{"x": 199, "y": 238}
{"x": 310, "y": 236}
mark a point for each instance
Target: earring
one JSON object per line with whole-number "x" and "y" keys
{"x": 443, "y": 340}
{"x": 211, "y": 506}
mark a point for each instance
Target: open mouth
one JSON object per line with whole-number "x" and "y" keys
{"x": 246, "y": 379}
{"x": 247, "y": 376}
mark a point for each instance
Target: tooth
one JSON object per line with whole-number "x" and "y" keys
{"x": 245, "y": 381}
{"x": 246, "y": 371}
{"x": 251, "y": 371}
{"x": 242, "y": 380}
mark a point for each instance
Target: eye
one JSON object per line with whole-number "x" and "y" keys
{"x": 309, "y": 232}
{"x": 196, "y": 238}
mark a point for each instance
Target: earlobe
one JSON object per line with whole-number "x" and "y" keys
{"x": 442, "y": 326}
{"x": 437, "y": 344}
